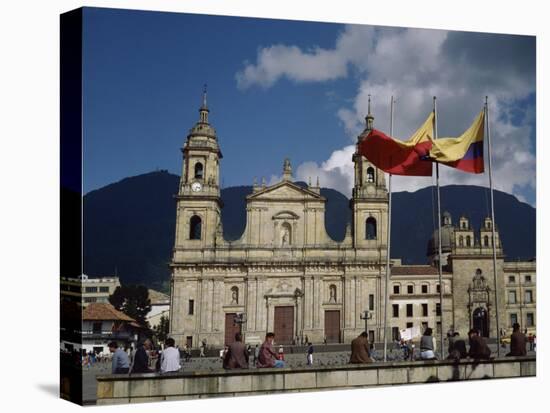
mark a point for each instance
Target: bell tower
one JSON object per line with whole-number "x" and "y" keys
{"x": 198, "y": 200}
{"x": 369, "y": 202}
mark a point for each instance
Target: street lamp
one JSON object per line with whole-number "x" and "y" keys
{"x": 240, "y": 319}
{"x": 366, "y": 315}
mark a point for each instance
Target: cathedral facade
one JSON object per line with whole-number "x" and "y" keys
{"x": 285, "y": 274}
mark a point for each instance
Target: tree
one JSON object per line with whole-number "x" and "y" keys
{"x": 132, "y": 300}
{"x": 162, "y": 329}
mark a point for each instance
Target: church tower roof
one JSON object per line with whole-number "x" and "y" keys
{"x": 202, "y": 127}
{"x": 369, "y": 123}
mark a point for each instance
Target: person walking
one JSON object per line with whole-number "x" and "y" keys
{"x": 120, "y": 362}
{"x": 309, "y": 354}
{"x": 267, "y": 357}
{"x": 141, "y": 358}
{"x": 237, "y": 354}
{"x": 281, "y": 353}
{"x": 427, "y": 345}
{"x": 202, "y": 346}
{"x": 360, "y": 349}
{"x": 517, "y": 342}
{"x": 479, "y": 350}
{"x": 170, "y": 358}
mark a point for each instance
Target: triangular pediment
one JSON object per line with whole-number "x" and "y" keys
{"x": 285, "y": 190}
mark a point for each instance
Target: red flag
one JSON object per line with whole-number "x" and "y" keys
{"x": 397, "y": 157}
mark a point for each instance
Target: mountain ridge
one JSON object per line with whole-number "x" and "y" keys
{"x": 129, "y": 225}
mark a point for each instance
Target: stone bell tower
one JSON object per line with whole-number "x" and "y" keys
{"x": 369, "y": 202}
{"x": 198, "y": 199}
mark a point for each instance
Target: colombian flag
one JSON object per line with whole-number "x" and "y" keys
{"x": 410, "y": 157}
{"x": 465, "y": 152}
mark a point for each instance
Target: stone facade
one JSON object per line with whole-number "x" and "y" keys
{"x": 286, "y": 274}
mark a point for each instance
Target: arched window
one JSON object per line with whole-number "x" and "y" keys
{"x": 464, "y": 224}
{"x": 485, "y": 241}
{"x": 461, "y": 241}
{"x": 234, "y": 295}
{"x": 468, "y": 241}
{"x": 332, "y": 293}
{"x": 370, "y": 230}
{"x": 195, "y": 226}
{"x": 199, "y": 170}
{"x": 370, "y": 174}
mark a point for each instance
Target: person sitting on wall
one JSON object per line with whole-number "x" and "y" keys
{"x": 517, "y": 342}
{"x": 479, "y": 350}
{"x": 457, "y": 347}
{"x": 141, "y": 358}
{"x": 120, "y": 361}
{"x": 237, "y": 354}
{"x": 267, "y": 357}
{"x": 360, "y": 349}
{"x": 170, "y": 358}
{"x": 427, "y": 345}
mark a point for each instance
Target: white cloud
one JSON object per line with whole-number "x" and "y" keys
{"x": 414, "y": 65}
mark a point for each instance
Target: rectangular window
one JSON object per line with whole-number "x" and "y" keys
{"x": 409, "y": 325}
{"x": 511, "y": 279}
{"x": 90, "y": 299}
{"x": 96, "y": 328}
{"x": 530, "y": 320}
{"x": 511, "y": 297}
{"x": 424, "y": 326}
{"x": 424, "y": 289}
{"x": 91, "y": 289}
{"x": 371, "y": 302}
{"x": 528, "y": 296}
{"x": 103, "y": 289}
{"x": 191, "y": 307}
{"x": 395, "y": 333}
{"x": 409, "y": 310}
{"x": 396, "y": 289}
{"x": 527, "y": 278}
{"x": 513, "y": 319}
{"x": 438, "y": 288}
{"x": 437, "y": 309}
{"x": 410, "y": 289}
{"x": 395, "y": 310}
{"x": 424, "y": 310}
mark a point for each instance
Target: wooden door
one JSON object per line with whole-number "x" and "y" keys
{"x": 284, "y": 324}
{"x": 231, "y": 328}
{"x": 332, "y": 326}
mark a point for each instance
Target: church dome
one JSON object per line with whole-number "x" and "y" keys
{"x": 447, "y": 236}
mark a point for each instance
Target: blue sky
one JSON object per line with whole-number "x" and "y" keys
{"x": 294, "y": 89}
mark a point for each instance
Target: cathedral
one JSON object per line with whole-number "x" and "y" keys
{"x": 286, "y": 275}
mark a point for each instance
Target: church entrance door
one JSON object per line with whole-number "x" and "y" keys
{"x": 231, "y": 328}
{"x": 332, "y": 326}
{"x": 284, "y": 324}
{"x": 481, "y": 321}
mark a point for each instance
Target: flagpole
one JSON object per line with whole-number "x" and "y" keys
{"x": 386, "y": 300}
{"x": 440, "y": 263}
{"x": 493, "y": 224}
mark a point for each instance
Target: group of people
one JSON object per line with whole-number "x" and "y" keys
{"x": 479, "y": 349}
{"x": 237, "y": 354}
{"x": 168, "y": 361}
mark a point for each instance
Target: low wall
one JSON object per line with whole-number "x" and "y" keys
{"x": 114, "y": 389}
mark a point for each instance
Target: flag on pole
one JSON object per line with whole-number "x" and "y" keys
{"x": 464, "y": 152}
{"x": 410, "y": 157}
